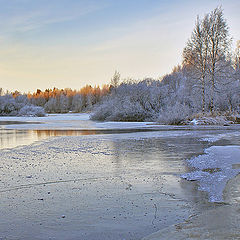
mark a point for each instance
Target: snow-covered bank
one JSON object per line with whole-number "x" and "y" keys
{"x": 82, "y": 121}
{"x": 213, "y": 120}
{"x": 214, "y": 169}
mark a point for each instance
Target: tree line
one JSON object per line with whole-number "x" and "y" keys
{"x": 51, "y": 101}
{"x": 64, "y": 100}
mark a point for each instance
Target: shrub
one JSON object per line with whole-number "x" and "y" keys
{"x": 31, "y": 110}
{"x": 174, "y": 114}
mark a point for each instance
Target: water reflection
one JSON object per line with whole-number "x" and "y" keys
{"x": 10, "y": 138}
{"x": 55, "y": 133}
{"x": 13, "y": 138}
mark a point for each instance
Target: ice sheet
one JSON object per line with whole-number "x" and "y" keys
{"x": 115, "y": 186}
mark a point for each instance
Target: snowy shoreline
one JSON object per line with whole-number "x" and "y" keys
{"x": 214, "y": 169}
{"x": 218, "y": 120}
{"x": 217, "y": 173}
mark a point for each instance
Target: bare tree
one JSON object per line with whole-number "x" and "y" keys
{"x": 207, "y": 51}
{"x": 237, "y": 56}
{"x": 115, "y": 79}
{"x": 219, "y": 43}
{"x": 195, "y": 54}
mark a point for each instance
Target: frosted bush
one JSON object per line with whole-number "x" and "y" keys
{"x": 8, "y": 106}
{"x": 174, "y": 114}
{"x": 120, "y": 109}
{"x": 19, "y": 106}
{"x": 102, "y": 112}
{"x": 128, "y": 111}
{"x": 131, "y": 101}
{"x": 31, "y": 110}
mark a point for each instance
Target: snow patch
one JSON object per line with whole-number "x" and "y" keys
{"x": 194, "y": 122}
{"x": 217, "y": 137}
{"x": 214, "y": 169}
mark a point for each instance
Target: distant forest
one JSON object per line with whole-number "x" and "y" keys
{"x": 51, "y": 101}
{"x": 207, "y": 83}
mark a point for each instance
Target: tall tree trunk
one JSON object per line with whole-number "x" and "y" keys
{"x": 203, "y": 95}
{"x": 212, "y": 88}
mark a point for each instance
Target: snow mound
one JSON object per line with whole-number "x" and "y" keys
{"x": 214, "y": 169}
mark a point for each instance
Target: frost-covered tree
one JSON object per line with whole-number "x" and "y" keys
{"x": 115, "y": 81}
{"x": 195, "y": 54}
{"x": 31, "y": 110}
{"x": 63, "y": 104}
{"x": 237, "y": 57}
{"x": 207, "y": 53}
{"x": 78, "y": 103}
{"x": 49, "y": 106}
{"x": 219, "y": 43}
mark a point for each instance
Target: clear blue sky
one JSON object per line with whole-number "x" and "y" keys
{"x": 69, "y": 43}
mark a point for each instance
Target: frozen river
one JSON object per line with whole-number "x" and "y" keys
{"x": 66, "y": 177}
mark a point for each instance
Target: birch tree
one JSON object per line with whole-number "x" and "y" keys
{"x": 219, "y": 43}
{"x": 207, "y": 51}
{"x": 237, "y": 57}
{"x": 115, "y": 81}
{"x": 195, "y": 54}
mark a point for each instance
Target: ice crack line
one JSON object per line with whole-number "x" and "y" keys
{"x": 155, "y": 214}
{"x": 55, "y": 182}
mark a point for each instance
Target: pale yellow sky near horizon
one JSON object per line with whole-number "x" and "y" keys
{"x": 38, "y": 50}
